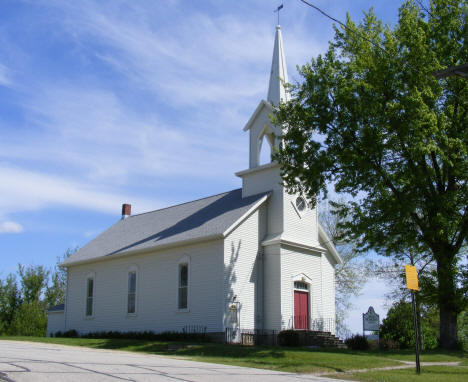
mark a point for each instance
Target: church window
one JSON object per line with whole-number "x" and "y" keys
{"x": 301, "y": 203}
{"x": 183, "y": 286}
{"x": 89, "y": 296}
{"x": 131, "y": 301}
{"x": 300, "y": 285}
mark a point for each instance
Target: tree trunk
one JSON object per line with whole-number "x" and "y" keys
{"x": 448, "y": 329}
{"x": 447, "y": 304}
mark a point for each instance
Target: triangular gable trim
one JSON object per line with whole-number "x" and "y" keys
{"x": 260, "y": 106}
{"x": 328, "y": 244}
{"x": 246, "y": 215}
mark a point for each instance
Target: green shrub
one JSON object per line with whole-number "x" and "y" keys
{"x": 398, "y": 326}
{"x": 357, "y": 342}
{"x": 146, "y": 335}
{"x": 29, "y": 320}
{"x": 68, "y": 334}
{"x": 288, "y": 338}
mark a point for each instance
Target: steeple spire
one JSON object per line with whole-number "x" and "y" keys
{"x": 279, "y": 72}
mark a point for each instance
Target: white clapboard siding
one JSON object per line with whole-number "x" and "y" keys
{"x": 266, "y": 178}
{"x": 295, "y": 263}
{"x": 157, "y": 291}
{"x": 272, "y": 287}
{"x": 300, "y": 226}
{"x": 55, "y": 322}
{"x": 242, "y": 271}
{"x": 328, "y": 288}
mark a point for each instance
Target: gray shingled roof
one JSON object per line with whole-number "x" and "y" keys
{"x": 56, "y": 308}
{"x": 198, "y": 219}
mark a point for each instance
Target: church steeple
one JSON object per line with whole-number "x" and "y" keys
{"x": 262, "y": 132}
{"x": 279, "y": 72}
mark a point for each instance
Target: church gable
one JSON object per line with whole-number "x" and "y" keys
{"x": 300, "y": 220}
{"x": 262, "y": 132}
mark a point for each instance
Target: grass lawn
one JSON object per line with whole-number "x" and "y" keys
{"x": 428, "y": 356}
{"x": 300, "y": 360}
{"x": 428, "y": 374}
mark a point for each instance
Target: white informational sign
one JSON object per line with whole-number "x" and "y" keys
{"x": 370, "y": 320}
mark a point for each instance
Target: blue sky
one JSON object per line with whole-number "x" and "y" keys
{"x": 106, "y": 102}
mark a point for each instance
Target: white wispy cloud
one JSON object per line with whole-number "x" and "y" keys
{"x": 197, "y": 58}
{"x": 180, "y": 93}
{"x": 23, "y": 190}
{"x": 5, "y": 79}
{"x": 10, "y": 227}
{"x": 100, "y": 139}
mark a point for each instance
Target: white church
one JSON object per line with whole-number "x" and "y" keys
{"x": 251, "y": 258}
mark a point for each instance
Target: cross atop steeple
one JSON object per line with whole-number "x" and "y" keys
{"x": 279, "y": 72}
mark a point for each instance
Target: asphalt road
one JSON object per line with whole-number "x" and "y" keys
{"x": 36, "y": 362}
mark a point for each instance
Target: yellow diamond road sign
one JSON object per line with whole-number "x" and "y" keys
{"x": 411, "y": 277}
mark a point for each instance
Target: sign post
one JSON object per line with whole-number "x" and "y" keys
{"x": 412, "y": 284}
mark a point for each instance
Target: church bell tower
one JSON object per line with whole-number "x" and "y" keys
{"x": 259, "y": 126}
{"x": 266, "y": 177}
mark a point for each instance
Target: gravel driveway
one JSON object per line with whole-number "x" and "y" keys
{"x": 36, "y": 362}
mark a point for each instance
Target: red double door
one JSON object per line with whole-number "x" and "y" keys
{"x": 301, "y": 310}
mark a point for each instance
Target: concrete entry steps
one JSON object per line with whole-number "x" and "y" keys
{"x": 320, "y": 339}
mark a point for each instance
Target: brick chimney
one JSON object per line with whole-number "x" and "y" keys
{"x": 126, "y": 210}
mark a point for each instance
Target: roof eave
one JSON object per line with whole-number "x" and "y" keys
{"x": 145, "y": 250}
{"x": 280, "y": 240}
{"x": 328, "y": 244}
{"x": 263, "y": 167}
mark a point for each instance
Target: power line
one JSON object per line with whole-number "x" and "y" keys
{"x": 345, "y": 26}
{"x": 423, "y": 7}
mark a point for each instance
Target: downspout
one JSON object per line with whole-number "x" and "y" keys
{"x": 262, "y": 271}
{"x": 66, "y": 303}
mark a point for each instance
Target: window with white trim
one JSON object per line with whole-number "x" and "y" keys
{"x": 300, "y": 285}
{"x": 183, "y": 286}
{"x": 301, "y": 204}
{"x": 89, "y": 296}
{"x": 131, "y": 300}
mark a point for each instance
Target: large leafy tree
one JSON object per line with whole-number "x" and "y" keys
{"x": 370, "y": 117}
{"x": 33, "y": 281}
